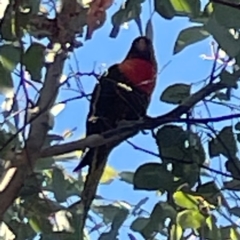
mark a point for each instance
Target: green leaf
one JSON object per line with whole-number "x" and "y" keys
{"x": 222, "y": 96}
{"x": 138, "y": 21}
{"x": 31, "y": 5}
{"x": 9, "y": 56}
{"x": 116, "y": 224}
{"x": 164, "y": 8}
{"x": 159, "y": 214}
{"x": 22, "y": 230}
{"x": 149, "y": 29}
{"x": 139, "y": 224}
{"x": 138, "y": 205}
{"x": 161, "y": 211}
{"x": 232, "y": 185}
{"x": 229, "y": 232}
{"x": 204, "y": 16}
{"x": 7, "y": 26}
{"x": 190, "y": 219}
{"x": 176, "y": 93}
{"x": 185, "y": 200}
{"x": 189, "y": 36}
{"x": 109, "y": 212}
{"x": 172, "y": 140}
{"x": 33, "y": 59}
{"x": 218, "y": 145}
{"x": 59, "y": 185}
{"x": 210, "y": 192}
{"x": 211, "y": 231}
{"x": 131, "y": 10}
{"x": 235, "y": 211}
{"x": 237, "y": 126}
{"x": 238, "y": 137}
{"x": 35, "y": 224}
{"x": 228, "y": 42}
{"x": 126, "y": 176}
{"x": 176, "y": 232}
{"x": 229, "y": 79}
{"x": 155, "y": 223}
{"x": 189, "y": 8}
{"x": 43, "y": 164}
{"x": 152, "y": 176}
{"x": 6, "y": 81}
{"x": 234, "y": 233}
{"x": 227, "y": 16}
{"x": 4, "y": 137}
{"x": 233, "y": 166}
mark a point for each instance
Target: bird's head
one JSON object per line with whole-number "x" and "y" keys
{"x": 142, "y": 47}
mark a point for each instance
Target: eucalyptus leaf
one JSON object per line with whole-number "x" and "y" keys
{"x": 33, "y": 59}
{"x": 164, "y": 8}
{"x": 190, "y": 219}
{"x": 152, "y": 176}
{"x": 189, "y": 36}
{"x": 176, "y": 93}
{"x": 224, "y": 37}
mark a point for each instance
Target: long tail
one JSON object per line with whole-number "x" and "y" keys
{"x": 96, "y": 158}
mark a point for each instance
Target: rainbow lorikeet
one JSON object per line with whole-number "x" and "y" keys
{"x": 123, "y": 93}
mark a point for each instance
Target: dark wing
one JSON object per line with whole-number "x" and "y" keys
{"x": 111, "y": 103}
{"x": 113, "y": 100}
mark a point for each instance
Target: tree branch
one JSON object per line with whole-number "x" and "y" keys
{"x": 14, "y": 177}
{"x": 127, "y": 128}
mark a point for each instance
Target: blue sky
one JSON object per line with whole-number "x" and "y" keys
{"x": 185, "y": 67}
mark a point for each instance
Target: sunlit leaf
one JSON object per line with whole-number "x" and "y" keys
{"x": 6, "y": 81}
{"x": 5, "y": 232}
{"x": 9, "y": 56}
{"x": 189, "y": 8}
{"x": 56, "y": 109}
{"x": 185, "y": 200}
{"x": 190, "y": 219}
{"x": 62, "y": 221}
{"x": 108, "y": 175}
{"x": 176, "y": 232}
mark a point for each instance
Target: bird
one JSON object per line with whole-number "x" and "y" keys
{"x": 122, "y": 93}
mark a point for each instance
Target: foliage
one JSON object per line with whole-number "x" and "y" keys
{"x": 190, "y": 205}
